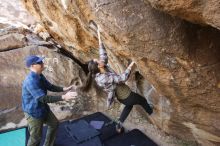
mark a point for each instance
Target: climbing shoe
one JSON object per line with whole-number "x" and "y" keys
{"x": 119, "y": 127}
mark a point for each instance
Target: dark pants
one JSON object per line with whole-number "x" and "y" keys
{"x": 35, "y": 127}
{"x": 134, "y": 99}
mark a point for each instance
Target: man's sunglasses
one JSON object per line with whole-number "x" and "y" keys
{"x": 40, "y": 63}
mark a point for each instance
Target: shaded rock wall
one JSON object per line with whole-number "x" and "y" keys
{"x": 204, "y": 12}
{"x": 180, "y": 59}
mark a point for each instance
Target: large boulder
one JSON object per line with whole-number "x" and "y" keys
{"x": 12, "y": 41}
{"x": 178, "y": 58}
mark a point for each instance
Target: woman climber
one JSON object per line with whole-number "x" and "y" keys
{"x": 114, "y": 84}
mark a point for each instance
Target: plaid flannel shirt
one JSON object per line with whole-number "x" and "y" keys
{"x": 110, "y": 79}
{"x": 33, "y": 88}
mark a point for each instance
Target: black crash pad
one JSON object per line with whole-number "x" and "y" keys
{"x": 133, "y": 138}
{"x": 108, "y": 135}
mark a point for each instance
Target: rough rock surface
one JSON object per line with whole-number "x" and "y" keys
{"x": 204, "y": 12}
{"x": 12, "y": 41}
{"x": 181, "y": 60}
{"x": 14, "y": 13}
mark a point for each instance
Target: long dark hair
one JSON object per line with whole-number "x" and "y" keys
{"x": 93, "y": 70}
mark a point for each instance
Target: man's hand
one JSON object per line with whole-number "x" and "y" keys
{"x": 69, "y": 95}
{"x": 68, "y": 88}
